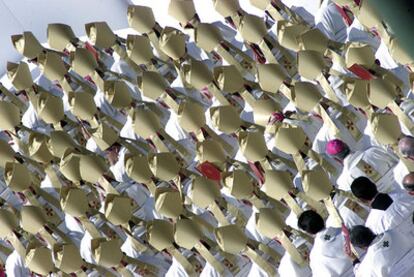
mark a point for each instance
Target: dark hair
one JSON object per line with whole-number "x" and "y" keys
{"x": 382, "y": 201}
{"x": 115, "y": 145}
{"x": 363, "y": 188}
{"x": 311, "y": 222}
{"x": 361, "y": 236}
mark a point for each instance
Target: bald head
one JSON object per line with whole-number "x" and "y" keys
{"x": 406, "y": 146}
{"x": 408, "y": 182}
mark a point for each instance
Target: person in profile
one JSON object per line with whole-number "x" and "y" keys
{"x": 388, "y": 210}
{"x": 387, "y": 254}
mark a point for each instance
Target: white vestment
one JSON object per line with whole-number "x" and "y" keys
{"x": 15, "y": 266}
{"x": 407, "y": 106}
{"x": 383, "y": 254}
{"x": 366, "y": 163}
{"x": 154, "y": 259}
{"x": 397, "y": 216}
{"x": 252, "y": 229}
{"x": 330, "y": 22}
{"x": 351, "y": 216}
{"x": 288, "y": 267}
{"x": 176, "y": 270}
{"x": 108, "y": 109}
{"x": 355, "y": 143}
{"x": 400, "y": 171}
{"x": 358, "y": 33}
{"x": 327, "y": 257}
{"x": 31, "y": 120}
{"x": 242, "y": 263}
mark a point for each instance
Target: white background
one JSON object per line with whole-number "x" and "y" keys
{"x": 17, "y": 16}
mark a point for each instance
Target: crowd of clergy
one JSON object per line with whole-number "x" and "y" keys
{"x": 280, "y": 145}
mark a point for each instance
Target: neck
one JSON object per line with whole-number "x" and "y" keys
{"x": 323, "y": 229}
{"x": 375, "y": 239}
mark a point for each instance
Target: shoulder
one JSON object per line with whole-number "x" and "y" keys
{"x": 373, "y": 217}
{"x": 352, "y": 158}
{"x": 366, "y": 267}
{"x": 327, "y": 238}
{"x": 402, "y": 200}
{"x": 400, "y": 168}
{"x": 381, "y": 152}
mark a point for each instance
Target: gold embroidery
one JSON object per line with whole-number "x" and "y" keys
{"x": 369, "y": 171}
{"x": 356, "y": 208}
{"x": 350, "y": 125}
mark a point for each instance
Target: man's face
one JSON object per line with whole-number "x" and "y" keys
{"x": 112, "y": 154}
{"x": 408, "y": 187}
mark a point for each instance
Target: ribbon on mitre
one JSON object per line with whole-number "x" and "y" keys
{"x": 91, "y": 49}
{"x": 347, "y": 237}
{"x": 257, "y": 172}
{"x": 345, "y": 13}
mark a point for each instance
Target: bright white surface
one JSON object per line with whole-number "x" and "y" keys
{"x": 17, "y": 16}
{"x": 311, "y": 6}
{"x": 205, "y": 9}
